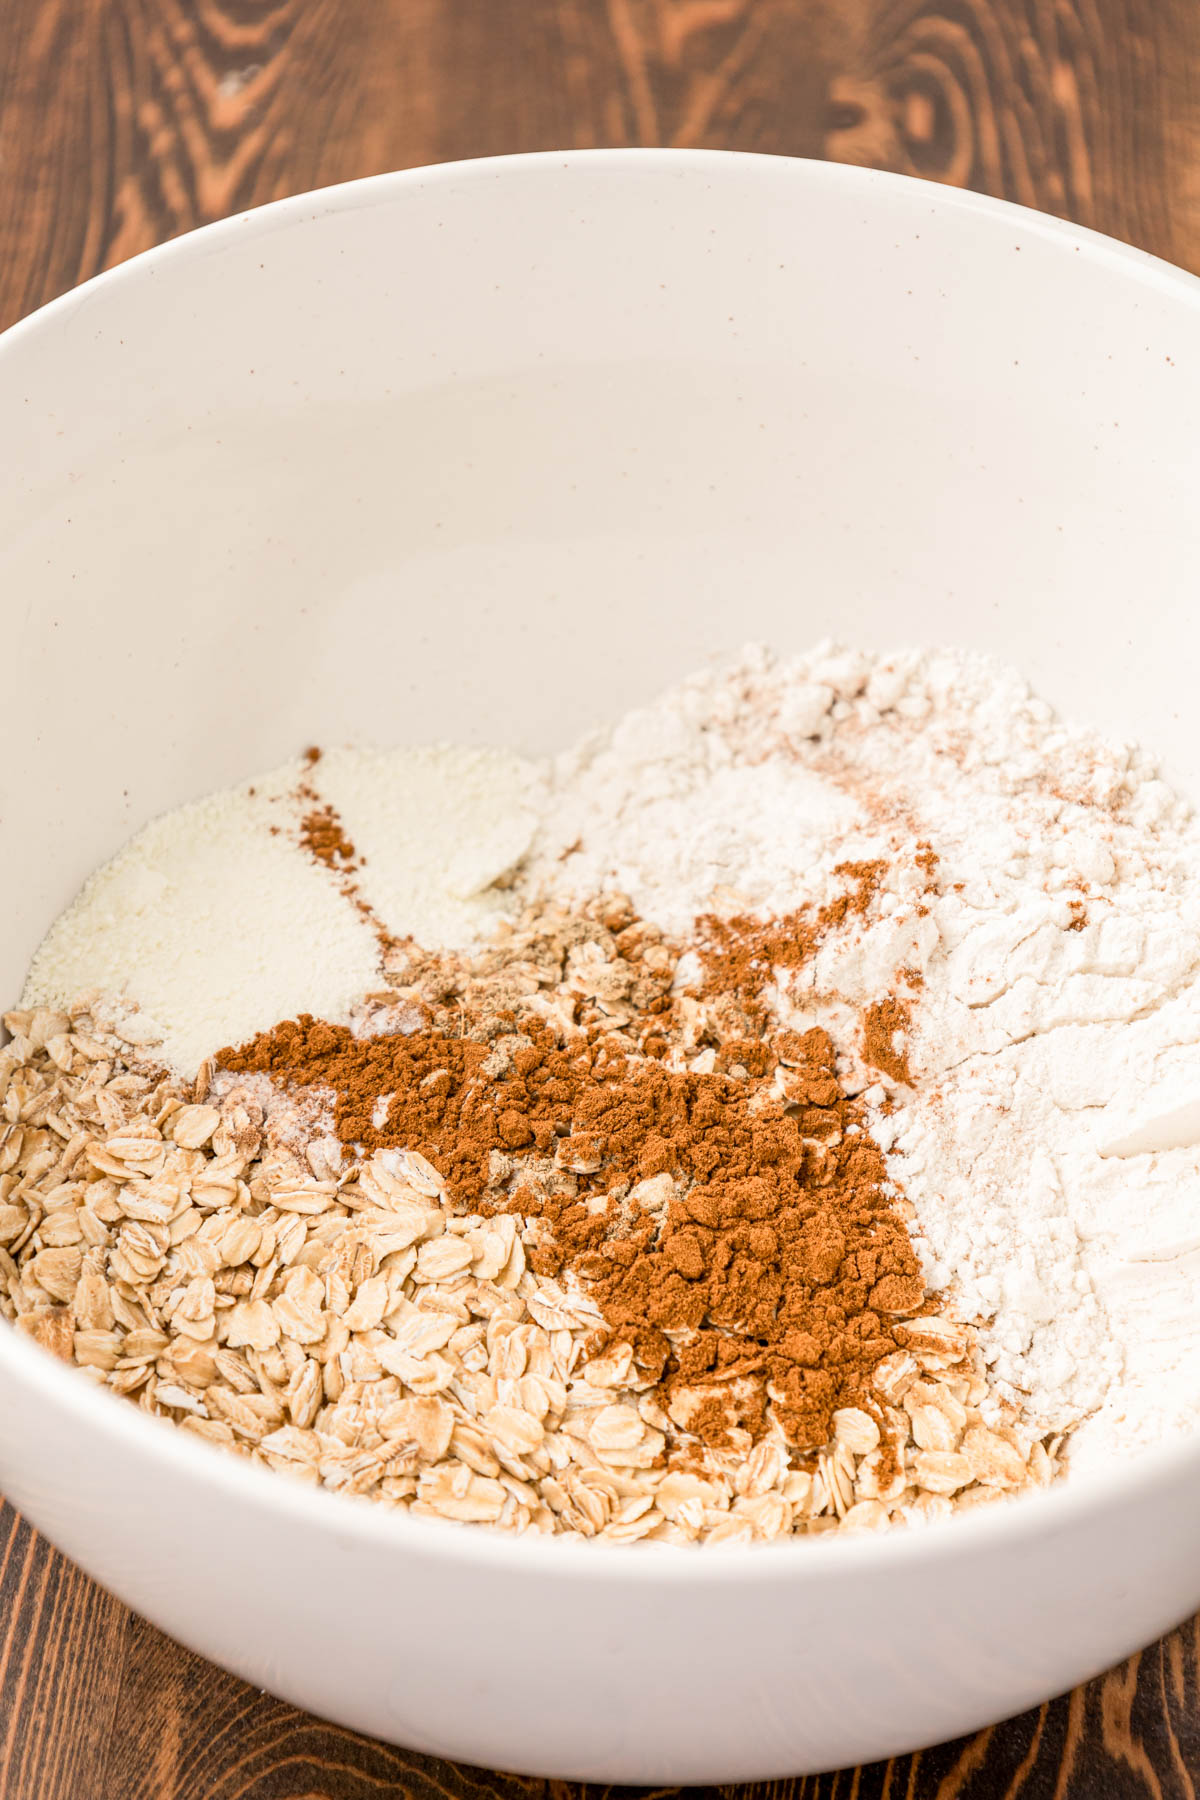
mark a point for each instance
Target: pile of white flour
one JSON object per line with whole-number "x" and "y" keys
{"x": 1039, "y": 912}
{"x": 1058, "y": 952}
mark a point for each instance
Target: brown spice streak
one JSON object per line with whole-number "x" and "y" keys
{"x": 926, "y": 859}
{"x": 885, "y": 1021}
{"x": 322, "y": 835}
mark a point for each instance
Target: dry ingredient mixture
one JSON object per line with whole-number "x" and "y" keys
{"x": 777, "y": 1116}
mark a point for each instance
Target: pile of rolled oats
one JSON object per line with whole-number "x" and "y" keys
{"x": 332, "y": 1316}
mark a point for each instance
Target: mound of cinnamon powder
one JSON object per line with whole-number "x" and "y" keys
{"x": 733, "y": 1224}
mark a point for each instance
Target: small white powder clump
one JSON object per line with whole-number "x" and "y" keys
{"x": 215, "y": 922}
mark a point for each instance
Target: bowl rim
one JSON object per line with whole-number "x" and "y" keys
{"x": 363, "y": 1523}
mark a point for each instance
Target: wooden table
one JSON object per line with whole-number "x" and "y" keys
{"x": 123, "y": 122}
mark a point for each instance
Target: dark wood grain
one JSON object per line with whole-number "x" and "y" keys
{"x": 124, "y": 122}
{"x": 62, "y": 1648}
{"x": 97, "y": 1705}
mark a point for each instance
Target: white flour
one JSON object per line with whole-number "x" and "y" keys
{"x": 678, "y": 805}
{"x": 1049, "y": 1142}
{"x": 1044, "y": 1032}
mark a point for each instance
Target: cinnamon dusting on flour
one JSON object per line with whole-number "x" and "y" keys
{"x": 885, "y": 1032}
{"x": 742, "y": 954}
{"x": 324, "y": 837}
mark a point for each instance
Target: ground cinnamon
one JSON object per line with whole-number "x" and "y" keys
{"x": 323, "y": 836}
{"x": 740, "y": 955}
{"x": 733, "y": 1224}
{"x": 885, "y": 1029}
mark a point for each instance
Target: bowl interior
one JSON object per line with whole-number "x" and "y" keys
{"x": 491, "y": 452}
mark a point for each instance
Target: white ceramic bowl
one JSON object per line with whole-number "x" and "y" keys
{"x": 490, "y": 452}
